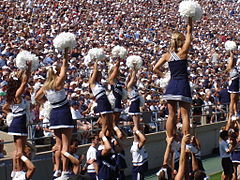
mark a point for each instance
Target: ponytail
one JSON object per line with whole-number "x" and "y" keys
{"x": 176, "y": 42}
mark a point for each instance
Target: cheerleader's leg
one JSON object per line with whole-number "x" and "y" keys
{"x": 171, "y": 120}
{"x": 58, "y": 148}
{"x": 233, "y": 104}
{"x": 20, "y": 142}
{"x": 116, "y": 116}
{"x": 185, "y": 109}
{"x": 136, "y": 122}
{"x": 66, "y": 137}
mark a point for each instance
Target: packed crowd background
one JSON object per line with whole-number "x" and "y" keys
{"x": 143, "y": 27}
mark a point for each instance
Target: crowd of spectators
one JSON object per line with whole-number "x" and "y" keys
{"x": 143, "y": 27}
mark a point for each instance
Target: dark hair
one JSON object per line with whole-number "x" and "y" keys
{"x": 13, "y": 85}
{"x": 199, "y": 175}
{"x": 93, "y": 137}
{"x": 162, "y": 174}
{"x": 223, "y": 134}
{"x": 75, "y": 140}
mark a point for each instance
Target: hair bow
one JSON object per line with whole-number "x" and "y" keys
{"x": 54, "y": 68}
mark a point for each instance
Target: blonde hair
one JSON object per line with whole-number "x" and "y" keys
{"x": 51, "y": 77}
{"x": 177, "y": 42}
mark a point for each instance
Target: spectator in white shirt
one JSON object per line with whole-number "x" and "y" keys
{"x": 225, "y": 149}
{"x": 92, "y": 167}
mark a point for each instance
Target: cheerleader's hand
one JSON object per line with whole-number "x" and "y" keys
{"x": 24, "y": 78}
{"x": 190, "y": 21}
{"x": 20, "y": 73}
{"x": 29, "y": 66}
{"x": 54, "y": 148}
{"x": 101, "y": 134}
{"x": 169, "y": 140}
{"x": 66, "y": 53}
{"x": 134, "y": 66}
{"x": 186, "y": 138}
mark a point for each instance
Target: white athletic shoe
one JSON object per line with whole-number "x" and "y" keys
{"x": 66, "y": 174}
{"x": 57, "y": 173}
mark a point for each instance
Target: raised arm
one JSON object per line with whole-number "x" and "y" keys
{"x": 107, "y": 145}
{"x": 142, "y": 138}
{"x": 92, "y": 79}
{"x": 63, "y": 71}
{"x": 188, "y": 40}
{"x": 168, "y": 150}
{"x": 159, "y": 64}
{"x": 30, "y": 167}
{"x": 39, "y": 95}
{"x": 6, "y": 108}
{"x": 73, "y": 160}
{"x": 24, "y": 77}
{"x": 182, "y": 161}
{"x": 195, "y": 166}
{"x": 114, "y": 73}
{"x": 231, "y": 62}
{"x": 132, "y": 80}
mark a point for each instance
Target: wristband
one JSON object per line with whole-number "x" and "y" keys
{"x": 104, "y": 138}
{"x": 67, "y": 154}
{"x": 137, "y": 132}
{"x": 24, "y": 158}
{"x": 115, "y": 128}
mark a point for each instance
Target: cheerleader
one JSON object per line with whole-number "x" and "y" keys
{"x": 178, "y": 89}
{"x": 120, "y": 154}
{"x": 139, "y": 156}
{"x": 117, "y": 90}
{"x": 233, "y": 86}
{"x": 60, "y": 117}
{"x": 103, "y": 107}
{"x": 28, "y": 167}
{"x": 235, "y": 156}
{"x": 133, "y": 94}
{"x": 167, "y": 171}
{"x": 75, "y": 160}
{"x": 17, "y": 105}
{"x": 106, "y": 159}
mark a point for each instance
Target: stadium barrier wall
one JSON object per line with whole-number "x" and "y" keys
{"x": 155, "y": 146}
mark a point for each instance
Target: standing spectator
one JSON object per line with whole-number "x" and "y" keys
{"x": 225, "y": 150}
{"x": 92, "y": 167}
{"x": 197, "y": 108}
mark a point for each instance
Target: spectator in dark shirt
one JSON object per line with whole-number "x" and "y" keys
{"x": 197, "y": 109}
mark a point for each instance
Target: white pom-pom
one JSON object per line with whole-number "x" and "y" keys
{"x": 190, "y": 8}
{"x": 9, "y": 118}
{"x": 96, "y": 53}
{"x": 230, "y": 46}
{"x": 111, "y": 99}
{"x": 134, "y": 61}
{"x": 64, "y": 40}
{"x": 47, "y": 109}
{"x": 25, "y": 56}
{"x": 164, "y": 81}
{"x": 87, "y": 60}
{"x": 119, "y": 51}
